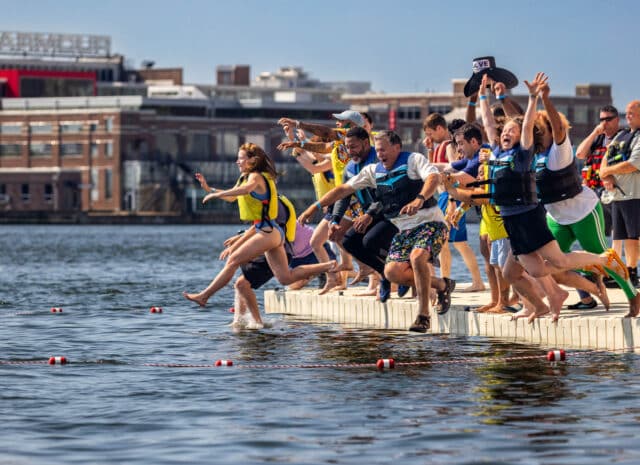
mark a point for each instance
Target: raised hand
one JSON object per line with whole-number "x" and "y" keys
{"x": 288, "y": 122}
{"x": 288, "y": 145}
{"x": 202, "y": 181}
{"x": 538, "y": 85}
{"x": 499, "y": 89}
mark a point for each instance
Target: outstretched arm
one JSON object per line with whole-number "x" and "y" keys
{"x": 325, "y": 132}
{"x": 557, "y": 128}
{"x": 526, "y": 139}
{"x": 485, "y": 111}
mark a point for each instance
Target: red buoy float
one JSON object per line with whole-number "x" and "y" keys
{"x": 556, "y": 355}
{"x": 57, "y": 360}
{"x": 56, "y": 309}
{"x": 224, "y": 363}
{"x": 386, "y": 364}
{"x": 155, "y": 310}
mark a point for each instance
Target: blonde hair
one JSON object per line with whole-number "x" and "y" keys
{"x": 543, "y": 122}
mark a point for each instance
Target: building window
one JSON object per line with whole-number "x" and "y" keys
{"x": 24, "y": 193}
{"x": 41, "y": 128}
{"x": 93, "y": 149}
{"x": 37, "y": 149}
{"x": 108, "y": 183}
{"x": 198, "y": 146}
{"x": 71, "y": 127}
{"x": 94, "y": 185}
{"x": 108, "y": 149}
{"x": 580, "y": 114}
{"x": 167, "y": 143}
{"x": 108, "y": 124}
{"x": 255, "y": 138}
{"x": 93, "y": 127}
{"x": 227, "y": 143}
{"x": 48, "y": 193}
{"x": 10, "y": 150}
{"x": 71, "y": 149}
{"x": 11, "y": 128}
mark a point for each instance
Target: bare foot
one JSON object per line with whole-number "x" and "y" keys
{"x": 484, "y": 308}
{"x": 537, "y": 314}
{"x": 332, "y": 281}
{"x": 366, "y": 293}
{"x": 634, "y": 307}
{"x": 602, "y": 292}
{"x": 473, "y": 288}
{"x": 195, "y": 298}
{"x": 359, "y": 277}
{"x": 497, "y": 310}
{"x": 555, "y": 303}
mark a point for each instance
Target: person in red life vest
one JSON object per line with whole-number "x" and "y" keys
{"x": 593, "y": 148}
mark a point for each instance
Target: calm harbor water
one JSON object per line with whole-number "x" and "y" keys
{"x": 109, "y": 407}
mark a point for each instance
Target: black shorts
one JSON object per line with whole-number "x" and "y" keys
{"x": 258, "y": 272}
{"x": 625, "y": 217}
{"x": 528, "y": 231}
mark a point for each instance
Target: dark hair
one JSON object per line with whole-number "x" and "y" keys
{"x": 392, "y": 137}
{"x": 470, "y": 131}
{"x": 434, "y": 120}
{"x": 609, "y": 109}
{"x": 455, "y": 125}
{"x": 497, "y": 110}
{"x": 358, "y": 132}
{"x": 367, "y": 116}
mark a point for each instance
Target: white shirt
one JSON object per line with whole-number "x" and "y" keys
{"x": 418, "y": 167}
{"x": 572, "y": 210}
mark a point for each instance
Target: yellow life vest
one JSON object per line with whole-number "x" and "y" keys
{"x": 253, "y": 209}
{"x": 322, "y": 184}
{"x": 290, "y": 225}
{"x": 339, "y": 160}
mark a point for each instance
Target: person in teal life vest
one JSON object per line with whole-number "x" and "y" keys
{"x": 620, "y": 173}
{"x": 256, "y": 194}
{"x": 405, "y": 184}
{"x": 513, "y": 190}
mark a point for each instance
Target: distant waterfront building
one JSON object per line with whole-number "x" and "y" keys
{"x": 130, "y": 142}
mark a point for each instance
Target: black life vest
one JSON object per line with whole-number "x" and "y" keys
{"x": 619, "y": 149}
{"x": 554, "y": 186}
{"x": 394, "y": 189}
{"x": 508, "y": 187}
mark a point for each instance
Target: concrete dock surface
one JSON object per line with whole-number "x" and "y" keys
{"x": 576, "y": 329}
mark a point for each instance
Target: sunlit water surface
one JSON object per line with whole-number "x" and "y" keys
{"x": 109, "y": 406}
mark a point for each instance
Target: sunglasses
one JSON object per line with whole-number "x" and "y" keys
{"x": 608, "y": 118}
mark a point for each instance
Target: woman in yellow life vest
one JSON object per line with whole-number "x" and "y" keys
{"x": 256, "y": 195}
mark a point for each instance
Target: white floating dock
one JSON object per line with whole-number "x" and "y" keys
{"x": 576, "y": 329}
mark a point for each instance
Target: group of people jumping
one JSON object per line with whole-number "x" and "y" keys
{"x": 391, "y": 212}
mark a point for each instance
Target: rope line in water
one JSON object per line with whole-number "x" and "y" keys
{"x": 551, "y": 356}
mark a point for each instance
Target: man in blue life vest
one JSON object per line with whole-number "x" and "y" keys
{"x": 620, "y": 174}
{"x": 404, "y": 184}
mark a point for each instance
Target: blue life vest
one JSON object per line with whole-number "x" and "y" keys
{"x": 508, "y": 187}
{"x": 394, "y": 189}
{"x": 365, "y": 196}
{"x": 554, "y": 186}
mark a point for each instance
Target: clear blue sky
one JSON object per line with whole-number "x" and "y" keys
{"x": 400, "y": 46}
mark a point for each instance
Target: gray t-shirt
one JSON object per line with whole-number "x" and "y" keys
{"x": 630, "y": 182}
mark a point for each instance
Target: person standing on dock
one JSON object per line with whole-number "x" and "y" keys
{"x": 620, "y": 173}
{"x": 405, "y": 184}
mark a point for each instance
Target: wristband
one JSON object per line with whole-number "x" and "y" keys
{"x": 533, "y": 95}
{"x": 501, "y": 97}
{"x": 318, "y": 205}
{"x": 482, "y": 97}
{"x": 471, "y": 104}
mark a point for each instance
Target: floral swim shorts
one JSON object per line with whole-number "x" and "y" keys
{"x": 428, "y": 236}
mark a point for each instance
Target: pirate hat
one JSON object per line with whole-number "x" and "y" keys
{"x": 487, "y": 65}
